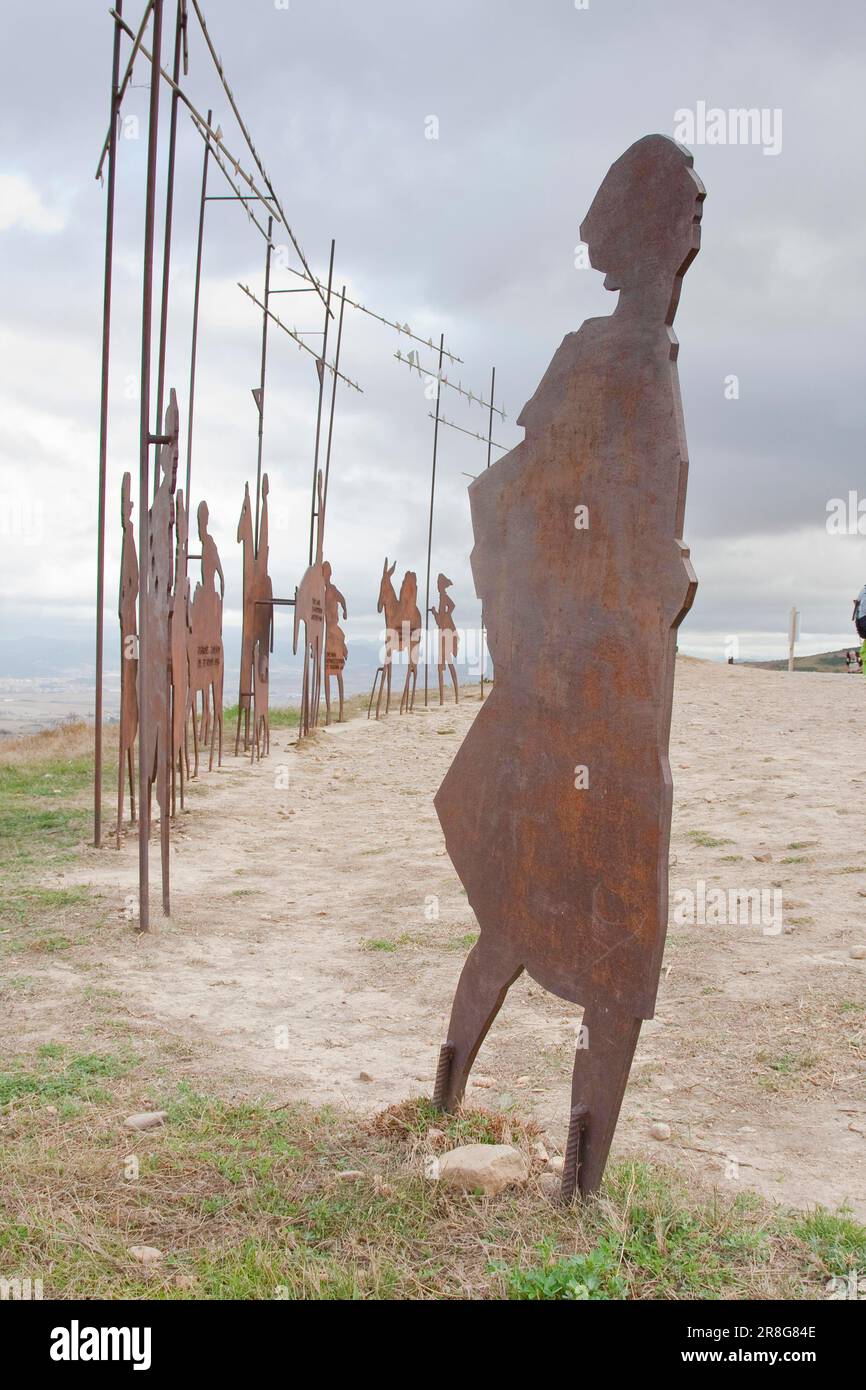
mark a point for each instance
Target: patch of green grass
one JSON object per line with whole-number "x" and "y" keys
{"x": 247, "y": 1202}
{"x": 26, "y": 904}
{"x": 706, "y": 841}
{"x": 461, "y": 943}
{"x": 40, "y": 815}
{"x": 731, "y": 859}
{"x": 386, "y": 943}
{"x": 593, "y": 1276}
{"x": 802, "y": 844}
{"x": 836, "y": 1240}
{"x": 794, "y": 859}
{"x": 786, "y": 1065}
{"x": 287, "y": 717}
{"x": 80, "y": 1075}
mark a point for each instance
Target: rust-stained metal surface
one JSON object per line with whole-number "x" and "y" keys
{"x": 448, "y": 640}
{"x": 402, "y": 634}
{"x": 261, "y": 702}
{"x": 257, "y": 613}
{"x": 206, "y": 655}
{"x": 181, "y": 628}
{"x": 336, "y": 649}
{"x": 556, "y": 809}
{"x": 127, "y": 612}
{"x": 156, "y": 728}
{"x": 310, "y": 610}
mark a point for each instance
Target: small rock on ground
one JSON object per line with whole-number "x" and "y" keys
{"x": 145, "y": 1254}
{"x": 482, "y": 1167}
{"x": 147, "y": 1119}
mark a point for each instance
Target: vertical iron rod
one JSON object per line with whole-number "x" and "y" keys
{"x": 262, "y": 382}
{"x": 333, "y": 399}
{"x": 169, "y": 209}
{"x": 489, "y": 447}
{"x": 430, "y": 523}
{"x": 321, "y": 371}
{"x": 195, "y": 303}
{"x": 143, "y": 479}
{"x": 103, "y": 433}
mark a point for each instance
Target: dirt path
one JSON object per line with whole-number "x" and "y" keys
{"x": 305, "y": 956}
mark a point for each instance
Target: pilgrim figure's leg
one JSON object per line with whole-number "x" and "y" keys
{"x": 327, "y": 698}
{"x": 218, "y": 705}
{"x": 213, "y": 729}
{"x": 237, "y": 730}
{"x": 195, "y": 737}
{"x": 484, "y": 982}
{"x": 340, "y": 689}
{"x": 608, "y": 1038}
{"x": 404, "y": 699}
{"x": 452, "y": 668}
{"x": 162, "y": 794}
{"x": 441, "y": 674}
{"x": 305, "y": 697}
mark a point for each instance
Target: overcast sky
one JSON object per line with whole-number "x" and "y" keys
{"x": 473, "y": 233}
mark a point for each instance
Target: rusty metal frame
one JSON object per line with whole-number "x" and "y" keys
{"x": 111, "y": 150}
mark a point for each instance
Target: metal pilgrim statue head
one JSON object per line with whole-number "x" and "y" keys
{"x": 556, "y": 810}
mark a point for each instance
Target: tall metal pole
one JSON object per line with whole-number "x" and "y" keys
{"x": 333, "y": 399}
{"x": 320, "y": 365}
{"x": 195, "y": 302}
{"x": 103, "y": 432}
{"x": 489, "y": 447}
{"x": 430, "y": 523}
{"x": 144, "y": 770}
{"x": 169, "y": 208}
{"x": 261, "y": 399}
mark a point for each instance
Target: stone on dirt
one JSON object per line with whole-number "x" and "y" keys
{"x": 482, "y": 1167}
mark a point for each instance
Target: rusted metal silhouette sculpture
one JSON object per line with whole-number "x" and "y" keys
{"x": 261, "y": 702}
{"x": 158, "y": 646}
{"x": 127, "y": 612}
{"x": 556, "y": 810}
{"x": 402, "y": 634}
{"x": 336, "y": 650}
{"x": 310, "y": 610}
{"x": 257, "y": 621}
{"x": 181, "y": 628}
{"x": 448, "y": 639}
{"x": 206, "y": 655}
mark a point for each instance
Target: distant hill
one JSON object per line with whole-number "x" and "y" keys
{"x": 824, "y": 661}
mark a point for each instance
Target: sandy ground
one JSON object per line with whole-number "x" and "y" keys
{"x": 305, "y": 958}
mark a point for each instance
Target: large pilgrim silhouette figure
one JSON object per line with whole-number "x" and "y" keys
{"x": 556, "y": 809}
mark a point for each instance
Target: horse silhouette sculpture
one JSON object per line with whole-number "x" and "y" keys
{"x": 557, "y": 807}
{"x": 402, "y": 634}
